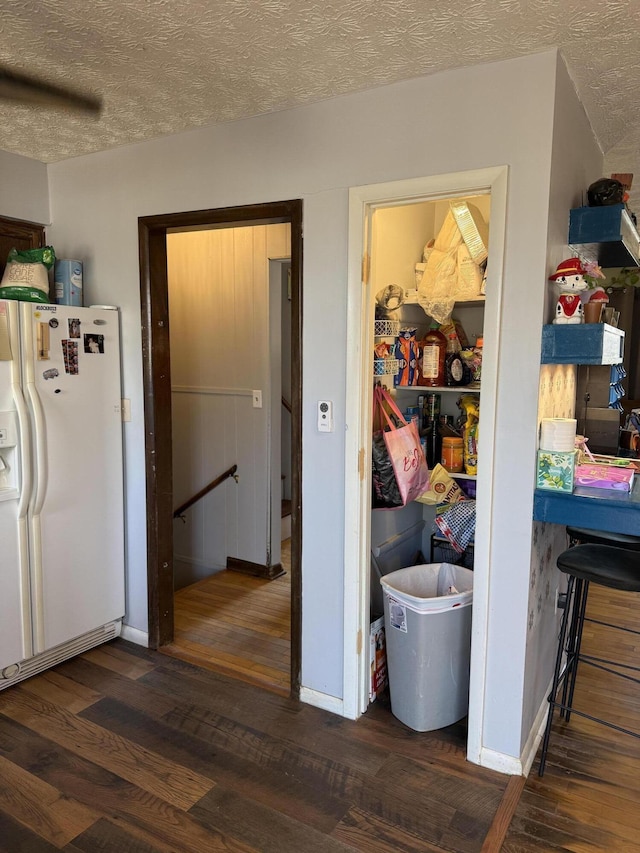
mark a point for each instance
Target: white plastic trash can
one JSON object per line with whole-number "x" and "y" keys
{"x": 427, "y": 618}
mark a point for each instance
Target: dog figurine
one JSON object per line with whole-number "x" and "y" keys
{"x": 569, "y": 277}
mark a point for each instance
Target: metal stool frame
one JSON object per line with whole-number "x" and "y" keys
{"x": 570, "y": 642}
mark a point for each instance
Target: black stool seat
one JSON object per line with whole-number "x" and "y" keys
{"x": 606, "y": 565}
{"x": 614, "y": 567}
{"x": 604, "y": 537}
{"x": 618, "y": 568}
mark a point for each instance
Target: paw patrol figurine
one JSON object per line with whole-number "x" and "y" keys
{"x": 570, "y": 279}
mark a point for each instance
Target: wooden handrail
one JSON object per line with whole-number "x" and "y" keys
{"x": 286, "y": 404}
{"x": 212, "y": 485}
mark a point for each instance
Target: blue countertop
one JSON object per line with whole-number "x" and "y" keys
{"x": 616, "y": 512}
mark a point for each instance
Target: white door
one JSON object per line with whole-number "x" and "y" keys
{"x": 15, "y": 612}
{"x": 72, "y": 383}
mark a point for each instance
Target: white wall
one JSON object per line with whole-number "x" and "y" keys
{"x": 576, "y": 163}
{"x": 24, "y": 190}
{"x": 494, "y": 114}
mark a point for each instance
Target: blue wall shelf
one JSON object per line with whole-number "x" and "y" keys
{"x": 606, "y": 235}
{"x": 584, "y": 343}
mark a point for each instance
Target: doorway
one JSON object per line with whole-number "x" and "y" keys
{"x": 158, "y": 411}
{"x": 364, "y": 201}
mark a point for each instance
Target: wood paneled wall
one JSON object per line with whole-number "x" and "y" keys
{"x": 219, "y": 329}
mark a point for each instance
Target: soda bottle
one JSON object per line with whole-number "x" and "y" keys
{"x": 432, "y": 352}
{"x": 454, "y": 366}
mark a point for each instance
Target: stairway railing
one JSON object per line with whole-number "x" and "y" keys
{"x": 179, "y": 513}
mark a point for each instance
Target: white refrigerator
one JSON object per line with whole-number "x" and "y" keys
{"x": 61, "y": 484}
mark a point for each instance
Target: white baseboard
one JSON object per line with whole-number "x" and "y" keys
{"x": 519, "y": 766}
{"x": 535, "y": 735}
{"x": 501, "y": 762}
{"x": 322, "y": 700}
{"x": 134, "y": 635}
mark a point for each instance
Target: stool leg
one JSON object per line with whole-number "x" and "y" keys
{"x": 581, "y": 608}
{"x": 571, "y": 606}
{"x": 556, "y": 676}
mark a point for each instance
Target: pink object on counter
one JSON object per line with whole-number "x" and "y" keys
{"x": 605, "y": 477}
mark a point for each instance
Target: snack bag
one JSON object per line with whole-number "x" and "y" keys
{"x": 406, "y": 352}
{"x": 443, "y": 489}
{"x": 26, "y": 276}
{"x": 470, "y": 406}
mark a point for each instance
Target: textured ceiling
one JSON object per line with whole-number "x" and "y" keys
{"x": 163, "y": 66}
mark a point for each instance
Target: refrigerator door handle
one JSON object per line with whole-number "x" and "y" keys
{"x": 25, "y": 452}
{"x": 40, "y": 447}
{"x": 24, "y": 431}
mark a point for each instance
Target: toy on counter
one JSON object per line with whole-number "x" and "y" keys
{"x": 569, "y": 276}
{"x": 594, "y": 305}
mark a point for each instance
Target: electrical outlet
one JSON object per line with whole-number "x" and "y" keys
{"x": 325, "y": 416}
{"x": 257, "y": 399}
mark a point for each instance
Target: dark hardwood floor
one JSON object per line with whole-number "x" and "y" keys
{"x": 127, "y": 750}
{"x": 124, "y": 749}
{"x": 588, "y": 796}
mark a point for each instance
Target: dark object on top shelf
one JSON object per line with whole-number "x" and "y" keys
{"x": 605, "y": 191}
{"x": 605, "y": 235}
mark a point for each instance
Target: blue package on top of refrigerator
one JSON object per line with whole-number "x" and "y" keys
{"x": 68, "y": 282}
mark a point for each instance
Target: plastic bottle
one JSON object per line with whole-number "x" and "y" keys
{"x": 431, "y": 358}
{"x": 454, "y": 367}
{"x": 430, "y": 409}
{"x": 452, "y": 454}
{"x": 433, "y": 442}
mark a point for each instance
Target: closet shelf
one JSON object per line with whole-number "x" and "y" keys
{"x": 411, "y": 298}
{"x": 474, "y": 388}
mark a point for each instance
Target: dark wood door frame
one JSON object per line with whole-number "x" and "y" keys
{"x": 18, "y": 234}
{"x": 152, "y": 234}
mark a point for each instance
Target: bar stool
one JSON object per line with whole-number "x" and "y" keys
{"x": 583, "y": 536}
{"x": 613, "y": 567}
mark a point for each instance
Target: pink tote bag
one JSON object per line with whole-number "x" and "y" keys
{"x": 403, "y": 446}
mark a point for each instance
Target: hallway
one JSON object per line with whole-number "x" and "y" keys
{"x": 237, "y": 625}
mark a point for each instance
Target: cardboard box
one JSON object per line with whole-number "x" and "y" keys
{"x": 555, "y": 470}
{"x": 378, "y": 658}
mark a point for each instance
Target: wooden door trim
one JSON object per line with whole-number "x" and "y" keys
{"x": 20, "y": 229}
{"x": 152, "y": 235}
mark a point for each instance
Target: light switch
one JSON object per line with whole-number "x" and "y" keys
{"x": 257, "y": 399}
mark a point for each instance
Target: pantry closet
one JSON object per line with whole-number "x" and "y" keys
{"x": 396, "y": 228}
{"x": 399, "y": 249}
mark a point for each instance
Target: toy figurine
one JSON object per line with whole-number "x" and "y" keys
{"x": 570, "y": 279}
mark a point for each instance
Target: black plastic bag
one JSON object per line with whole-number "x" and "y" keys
{"x": 385, "y": 491}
